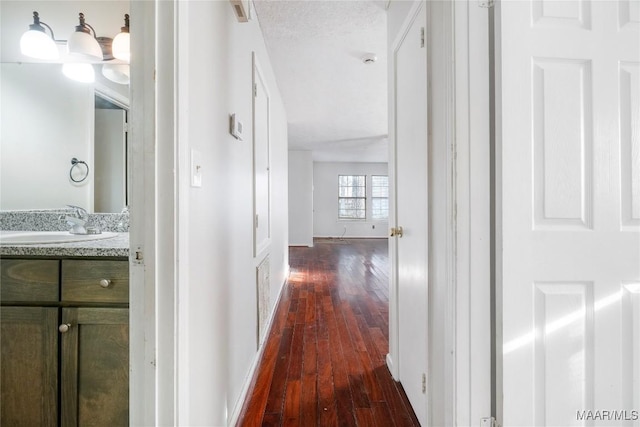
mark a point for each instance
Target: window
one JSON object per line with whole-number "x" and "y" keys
{"x": 380, "y": 197}
{"x": 352, "y": 192}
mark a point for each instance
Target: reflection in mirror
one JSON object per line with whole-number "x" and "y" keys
{"x": 110, "y": 154}
{"x": 47, "y": 120}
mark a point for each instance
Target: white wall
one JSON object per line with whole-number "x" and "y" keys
{"x": 46, "y": 120}
{"x": 217, "y": 313}
{"x": 300, "y": 198}
{"x": 325, "y": 201}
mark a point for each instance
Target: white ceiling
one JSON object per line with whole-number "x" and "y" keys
{"x": 336, "y": 104}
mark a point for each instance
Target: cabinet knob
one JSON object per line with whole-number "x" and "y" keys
{"x": 64, "y": 328}
{"x": 105, "y": 283}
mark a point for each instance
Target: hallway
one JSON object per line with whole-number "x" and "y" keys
{"x": 324, "y": 359}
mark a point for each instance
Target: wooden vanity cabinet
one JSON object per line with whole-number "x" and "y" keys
{"x": 65, "y": 354}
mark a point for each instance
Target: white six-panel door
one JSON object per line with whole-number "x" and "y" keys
{"x": 570, "y": 208}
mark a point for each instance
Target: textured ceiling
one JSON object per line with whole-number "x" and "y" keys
{"x": 336, "y": 104}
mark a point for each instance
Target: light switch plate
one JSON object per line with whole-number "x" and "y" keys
{"x": 196, "y": 168}
{"x": 235, "y": 127}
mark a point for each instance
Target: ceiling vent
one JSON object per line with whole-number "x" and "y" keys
{"x": 241, "y": 9}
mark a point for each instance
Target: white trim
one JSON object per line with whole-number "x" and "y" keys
{"x": 443, "y": 290}
{"x": 166, "y": 214}
{"x": 497, "y": 192}
{"x": 142, "y": 320}
{"x": 183, "y": 375}
{"x": 244, "y": 393}
{"x": 472, "y": 124}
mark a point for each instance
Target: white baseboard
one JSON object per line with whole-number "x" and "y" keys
{"x": 390, "y": 364}
{"x": 350, "y": 237}
{"x": 233, "y": 420}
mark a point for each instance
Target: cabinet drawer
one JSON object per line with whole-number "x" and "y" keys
{"x": 95, "y": 281}
{"x": 29, "y": 280}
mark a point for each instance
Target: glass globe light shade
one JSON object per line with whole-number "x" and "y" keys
{"x": 118, "y": 73}
{"x": 84, "y": 46}
{"x": 38, "y": 44}
{"x": 80, "y": 72}
{"x": 121, "y": 47}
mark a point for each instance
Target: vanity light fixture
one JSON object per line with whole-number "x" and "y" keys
{"x": 121, "y": 42}
{"x": 82, "y": 45}
{"x": 36, "y": 43}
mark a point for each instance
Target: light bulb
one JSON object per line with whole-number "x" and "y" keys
{"x": 120, "y": 47}
{"x": 38, "y": 44}
{"x": 84, "y": 46}
{"x": 117, "y": 73}
{"x": 80, "y": 72}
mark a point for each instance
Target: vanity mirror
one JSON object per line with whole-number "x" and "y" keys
{"x": 46, "y": 121}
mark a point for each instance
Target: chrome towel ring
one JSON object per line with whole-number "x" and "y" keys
{"x": 75, "y": 162}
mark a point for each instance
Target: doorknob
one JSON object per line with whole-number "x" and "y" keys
{"x": 396, "y": 231}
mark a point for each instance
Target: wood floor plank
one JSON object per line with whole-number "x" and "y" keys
{"x": 276, "y": 392}
{"x": 381, "y": 414}
{"x": 364, "y": 417}
{"x": 271, "y": 420}
{"x": 309, "y": 402}
{"x": 291, "y": 416}
{"x": 323, "y": 362}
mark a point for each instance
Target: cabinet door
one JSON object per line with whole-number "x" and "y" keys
{"x": 95, "y": 367}
{"x": 29, "y": 366}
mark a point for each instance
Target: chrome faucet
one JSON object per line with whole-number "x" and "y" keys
{"x": 78, "y": 220}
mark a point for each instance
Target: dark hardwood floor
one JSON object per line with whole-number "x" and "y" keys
{"x": 324, "y": 359}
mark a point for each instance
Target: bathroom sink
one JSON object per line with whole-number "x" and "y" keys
{"x": 44, "y": 237}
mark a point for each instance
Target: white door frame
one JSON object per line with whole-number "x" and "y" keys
{"x": 472, "y": 181}
{"x": 459, "y": 87}
{"x": 153, "y": 326}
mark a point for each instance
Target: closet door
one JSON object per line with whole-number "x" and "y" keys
{"x": 570, "y": 192}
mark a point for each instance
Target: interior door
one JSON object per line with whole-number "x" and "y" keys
{"x": 411, "y": 211}
{"x": 261, "y": 163}
{"x": 570, "y": 191}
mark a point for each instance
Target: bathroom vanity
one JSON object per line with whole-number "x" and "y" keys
{"x": 65, "y": 333}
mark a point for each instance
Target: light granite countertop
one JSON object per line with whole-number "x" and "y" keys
{"x": 117, "y": 246}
